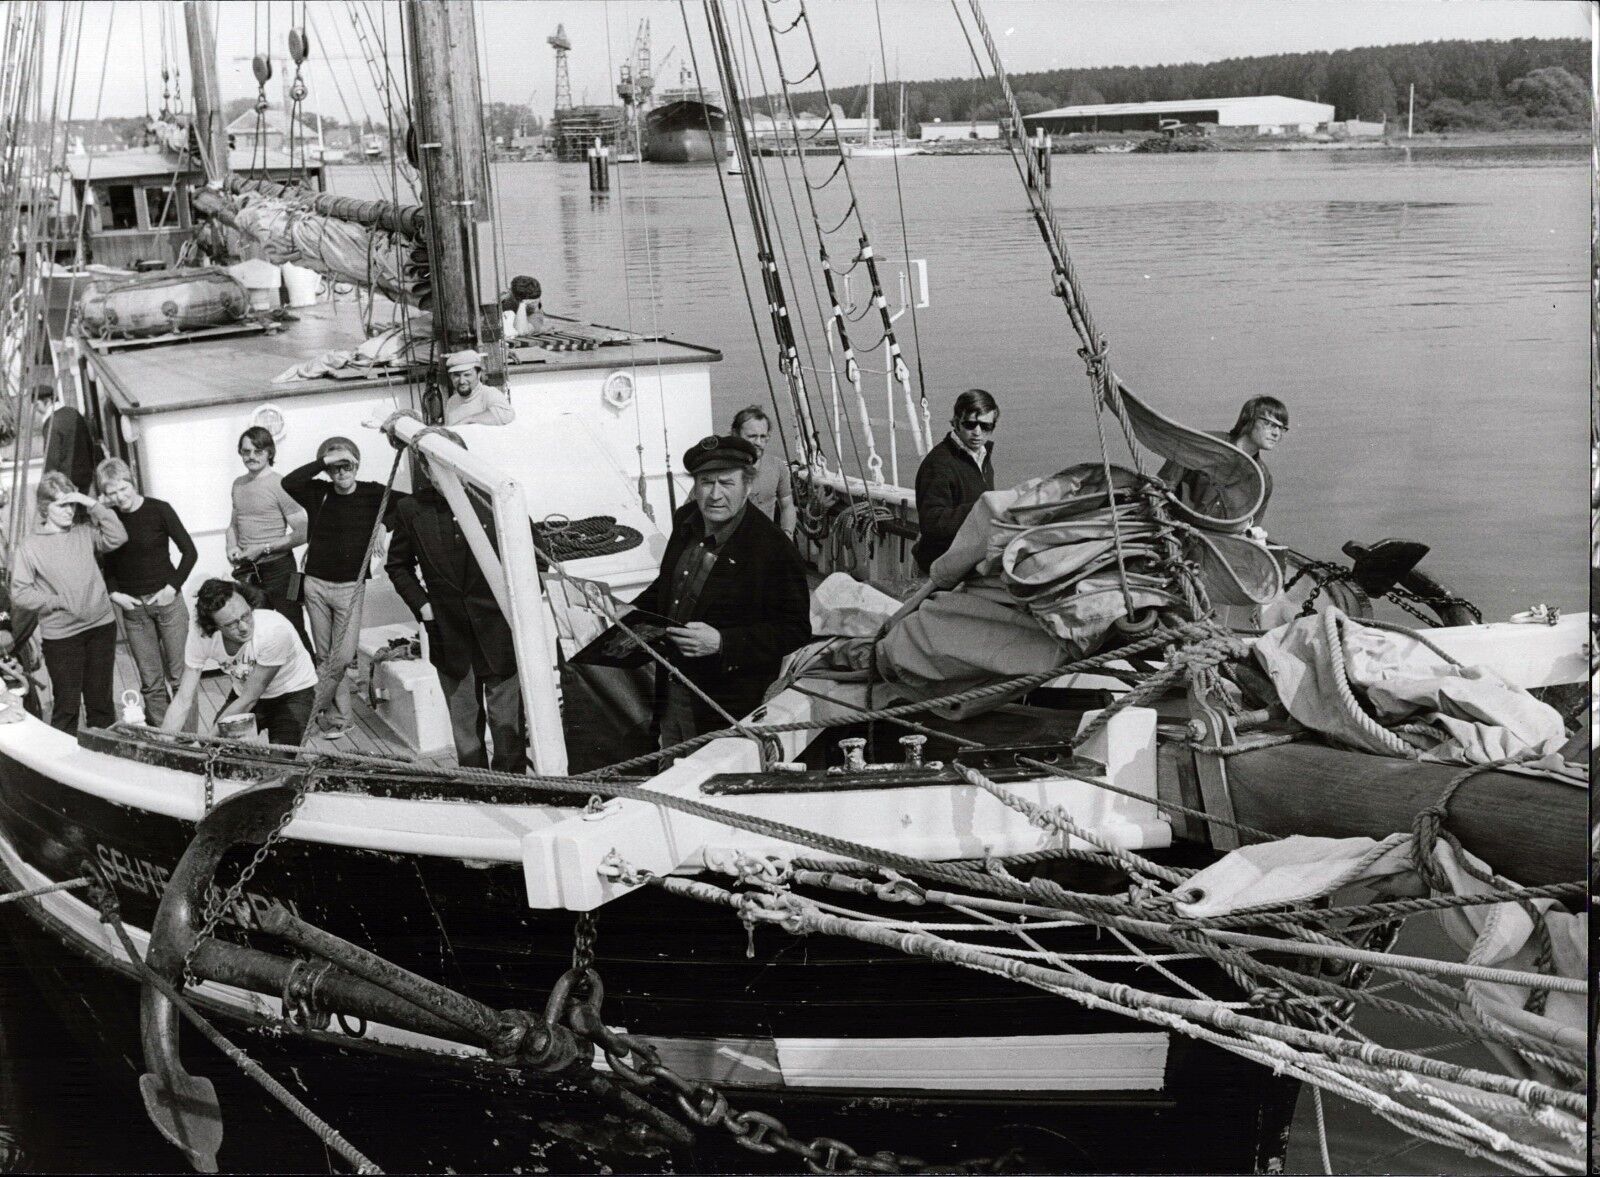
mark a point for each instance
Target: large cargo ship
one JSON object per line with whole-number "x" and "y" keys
{"x": 688, "y": 126}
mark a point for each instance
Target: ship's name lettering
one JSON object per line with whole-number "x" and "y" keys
{"x": 148, "y": 878}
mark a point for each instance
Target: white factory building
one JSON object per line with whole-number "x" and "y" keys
{"x": 1265, "y": 114}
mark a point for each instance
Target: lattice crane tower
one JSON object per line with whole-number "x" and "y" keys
{"x": 562, "y": 45}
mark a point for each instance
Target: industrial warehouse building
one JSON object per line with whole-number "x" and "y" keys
{"x": 1266, "y": 114}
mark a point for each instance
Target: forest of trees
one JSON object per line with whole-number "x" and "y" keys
{"x": 1479, "y": 85}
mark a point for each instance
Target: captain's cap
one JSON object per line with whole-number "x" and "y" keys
{"x": 719, "y": 453}
{"x": 460, "y": 361}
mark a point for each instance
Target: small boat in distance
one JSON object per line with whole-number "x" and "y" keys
{"x": 896, "y": 146}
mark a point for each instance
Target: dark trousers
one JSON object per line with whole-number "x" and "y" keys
{"x": 492, "y": 701}
{"x": 284, "y": 717}
{"x": 80, "y": 673}
{"x": 274, "y": 572}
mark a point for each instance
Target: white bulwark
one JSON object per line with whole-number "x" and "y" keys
{"x": 1265, "y": 114}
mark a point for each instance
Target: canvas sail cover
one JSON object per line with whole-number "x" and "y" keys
{"x": 281, "y": 230}
{"x": 1040, "y": 572}
{"x": 1234, "y": 476}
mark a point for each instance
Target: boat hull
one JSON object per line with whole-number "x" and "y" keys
{"x": 685, "y": 132}
{"x": 835, "y": 1039}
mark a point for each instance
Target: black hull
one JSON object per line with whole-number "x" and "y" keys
{"x": 671, "y": 973}
{"x": 685, "y": 132}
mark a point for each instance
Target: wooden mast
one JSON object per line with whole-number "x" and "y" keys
{"x": 448, "y": 131}
{"x": 210, "y": 131}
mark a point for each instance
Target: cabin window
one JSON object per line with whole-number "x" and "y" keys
{"x": 119, "y": 209}
{"x": 162, "y": 206}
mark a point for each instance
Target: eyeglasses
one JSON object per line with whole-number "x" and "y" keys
{"x": 975, "y": 423}
{"x": 341, "y": 467}
{"x": 1278, "y": 425}
{"x": 247, "y": 451}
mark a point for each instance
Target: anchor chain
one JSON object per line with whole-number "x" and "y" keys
{"x": 217, "y": 903}
{"x": 757, "y": 1131}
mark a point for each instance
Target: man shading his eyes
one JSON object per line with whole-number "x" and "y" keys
{"x": 954, "y": 474}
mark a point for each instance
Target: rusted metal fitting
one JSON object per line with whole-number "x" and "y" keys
{"x": 912, "y": 749}
{"x": 855, "y": 753}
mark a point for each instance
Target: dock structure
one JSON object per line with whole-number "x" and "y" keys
{"x": 575, "y": 129}
{"x": 1258, "y": 114}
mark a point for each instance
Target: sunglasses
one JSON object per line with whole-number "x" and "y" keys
{"x": 974, "y": 423}
{"x": 246, "y": 451}
{"x": 340, "y": 467}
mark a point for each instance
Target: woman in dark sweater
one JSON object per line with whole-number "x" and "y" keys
{"x": 342, "y": 511}
{"x": 145, "y": 586}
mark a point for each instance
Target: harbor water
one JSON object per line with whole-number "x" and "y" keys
{"x": 1423, "y": 313}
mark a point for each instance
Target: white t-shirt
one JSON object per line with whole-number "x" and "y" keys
{"x": 273, "y": 642}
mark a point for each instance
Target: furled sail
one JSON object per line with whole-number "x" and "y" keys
{"x": 284, "y": 228}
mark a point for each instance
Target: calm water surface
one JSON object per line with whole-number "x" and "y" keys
{"x": 1423, "y": 314}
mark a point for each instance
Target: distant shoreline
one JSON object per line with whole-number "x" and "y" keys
{"x": 1114, "y": 144}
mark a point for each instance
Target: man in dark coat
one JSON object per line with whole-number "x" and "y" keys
{"x": 736, "y": 588}
{"x": 954, "y": 474}
{"x": 469, "y": 640}
{"x": 68, "y": 445}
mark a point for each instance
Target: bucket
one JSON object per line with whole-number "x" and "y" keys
{"x": 304, "y": 286}
{"x": 262, "y": 280}
{"x": 238, "y": 727}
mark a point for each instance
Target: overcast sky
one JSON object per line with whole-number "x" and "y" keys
{"x": 920, "y": 39}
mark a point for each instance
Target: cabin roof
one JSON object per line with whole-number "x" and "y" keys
{"x": 270, "y": 122}
{"x": 153, "y": 163}
{"x": 230, "y": 368}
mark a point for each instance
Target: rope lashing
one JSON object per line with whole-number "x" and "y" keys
{"x": 35, "y": 892}
{"x": 1428, "y": 824}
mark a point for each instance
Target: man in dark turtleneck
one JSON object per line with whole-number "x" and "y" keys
{"x": 954, "y": 474}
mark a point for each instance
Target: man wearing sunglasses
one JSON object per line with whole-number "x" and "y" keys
{"x": 954, "y": 474}
{"x": 1263, "y": 422}
{"x": 342, "y": 510}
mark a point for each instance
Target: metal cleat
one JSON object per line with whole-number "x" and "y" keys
{"x": 855, "y": 754}
{"x": 912, "y": 746}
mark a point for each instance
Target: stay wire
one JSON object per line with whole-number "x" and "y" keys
{"x": 740, "y": 146}
{"x": 782, "y": 321}
{"x": 848, "y": 423}
{"x": 905, "y": 238}
{"x": 822, "y": 246}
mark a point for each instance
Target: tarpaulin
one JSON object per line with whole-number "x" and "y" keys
{"x": 1296, "y": 870}
{"x": 1455, "y": 714}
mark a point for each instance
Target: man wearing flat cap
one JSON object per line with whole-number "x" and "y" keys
{"x": 471, "y": 401}
{"x": 343, "y": 510}
{"x": 736, "y": 589}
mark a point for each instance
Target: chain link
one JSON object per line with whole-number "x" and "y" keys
{"x": 639, "y": 1065}
{"x": 583, "y": 938}
{"x": 217, "y": 903}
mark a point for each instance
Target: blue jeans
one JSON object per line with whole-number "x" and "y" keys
{"x": 156, "y": 635}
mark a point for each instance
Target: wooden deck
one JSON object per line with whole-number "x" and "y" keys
{"x": 369, "y": 735}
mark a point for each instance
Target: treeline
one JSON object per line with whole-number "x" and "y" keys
{"x": 501, "y": 121}
{"x": 1459, "y": 84}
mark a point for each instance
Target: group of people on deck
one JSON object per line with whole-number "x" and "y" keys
{"x": 731, "y": 582}
{"x": 100, "y": 551}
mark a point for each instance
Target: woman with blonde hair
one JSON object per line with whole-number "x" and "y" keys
{"x": 54, "y": 574}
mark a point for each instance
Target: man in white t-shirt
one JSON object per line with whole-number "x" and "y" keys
{"x": 273, "y": 675}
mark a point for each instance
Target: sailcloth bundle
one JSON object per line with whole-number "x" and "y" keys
{"x": 283, "y": 229}
{"x": 1039, "y": 573}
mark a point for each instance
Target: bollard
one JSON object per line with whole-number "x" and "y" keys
{"x": 1041, "y": 156}
{"x": 599, "y": 168}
